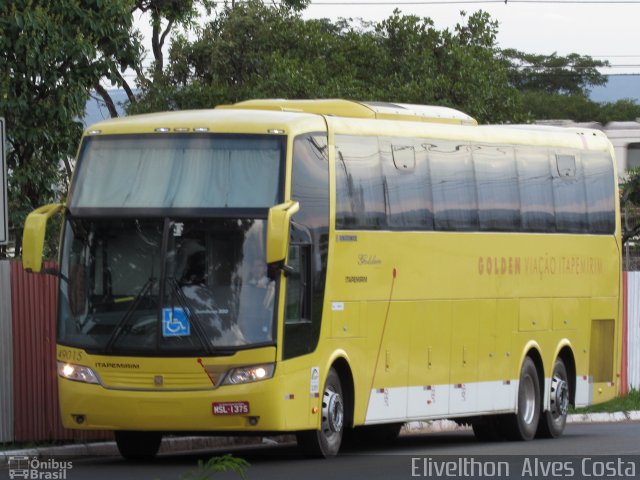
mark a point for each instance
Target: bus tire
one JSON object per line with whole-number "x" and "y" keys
{"x": 523, "y": 424}
{"x": 138, "y": 445}
{"x": 326, "y": 441}
{"x": 553, "y": 421}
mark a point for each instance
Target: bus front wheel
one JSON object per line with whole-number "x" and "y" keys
{"x": 552, "y": 421}
{"x": 524, "y": 423}
{"x": 138, "y": 445}
{"x": 326, "y": 441}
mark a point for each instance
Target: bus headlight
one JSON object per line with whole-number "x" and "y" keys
{"x": 77, "y": 373}
{"x": 253, "y": 373}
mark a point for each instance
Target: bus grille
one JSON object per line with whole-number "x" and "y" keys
{"x": 155, "y": 381}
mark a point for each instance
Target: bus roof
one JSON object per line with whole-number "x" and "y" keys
{"x": 353, "y": 109}
{"x": 210, "y": 120}
{"x": 293, "y": 117}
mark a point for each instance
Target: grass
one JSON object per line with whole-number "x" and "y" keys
{"x": 625, "y": 403}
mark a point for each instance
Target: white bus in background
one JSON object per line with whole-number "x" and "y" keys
{"x": 624, "y": 136}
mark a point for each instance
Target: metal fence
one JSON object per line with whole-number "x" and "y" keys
{"x": 6, "y": 355}
{"x": 35, "y": 390}
{"x": 632, "y": 340}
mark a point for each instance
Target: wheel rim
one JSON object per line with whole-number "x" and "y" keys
{"x": 528, "y": 400}
{"x": 559, "y": 397}
{"x": 332, "y": 413}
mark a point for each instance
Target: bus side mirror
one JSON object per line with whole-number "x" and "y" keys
{"x": 33, "y": 236}
{"x": 278, "y": 224}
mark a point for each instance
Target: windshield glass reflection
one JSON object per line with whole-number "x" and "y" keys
{"x": 211, "y": 291}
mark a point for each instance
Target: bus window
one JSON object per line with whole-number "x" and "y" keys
{"x": 360, "y": 196}
{"x": 568, "y": 194}
{"x": 300, "y": 335}
{"x": 310, "y": 187}
{"x": 536, "y": 196}
{"x": 406, "y": 176}
{"x": 178, "y": 171}
{"x": 599, "y": 186}
{"x": 497, "y": 184}
{"x": 453, "y": 186}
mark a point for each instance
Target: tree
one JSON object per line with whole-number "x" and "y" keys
{"x": 167, "y": 18}
{"x": 557, "y": 87}
{"x": 622, "y": 110}
{"x": 257, "y": 51}
{"x": 553, "y": 74}
{"x": 630, "y": 205}
{"x": 51, "y": 54}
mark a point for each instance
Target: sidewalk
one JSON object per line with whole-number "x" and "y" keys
{"x": 186, "y": 444}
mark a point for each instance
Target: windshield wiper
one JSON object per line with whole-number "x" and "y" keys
{"x": 127, "y": 315}
{"x": 192, "y": 315}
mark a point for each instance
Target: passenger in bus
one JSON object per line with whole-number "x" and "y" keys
{"x": 259, "y": 279}
{"x": 212, "y": 312}
{"x": 256, "y": 308}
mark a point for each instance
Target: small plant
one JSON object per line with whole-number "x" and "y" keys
{"x": 625, "y": 403}
{"x": 225, "y": 463}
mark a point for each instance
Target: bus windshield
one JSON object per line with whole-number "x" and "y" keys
{"x": 178, "y": 171}
{"x": 165, "y": 286}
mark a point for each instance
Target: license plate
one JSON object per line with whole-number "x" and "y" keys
{"x": 230, "y": 408}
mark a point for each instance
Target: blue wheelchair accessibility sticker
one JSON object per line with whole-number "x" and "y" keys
{"x": 175, "y": 322}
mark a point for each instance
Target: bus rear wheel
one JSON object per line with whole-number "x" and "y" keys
{"x": 326, "y": 441}
{"x": 552, "y": 421}
{"x": 524, "y": 423}
{"x": 138, "y": 445}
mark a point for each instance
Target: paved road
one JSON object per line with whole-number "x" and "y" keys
{"x": 411, "y": 456}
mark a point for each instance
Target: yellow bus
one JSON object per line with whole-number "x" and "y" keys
{"x": 326, "y": 267}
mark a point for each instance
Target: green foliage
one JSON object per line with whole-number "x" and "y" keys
{"x": 557, "y": 87}
{"x": 554, "y": 106}
{"x": 51, "y": 55}
{"x": 630, "y": 205}
{"x": 553, "y": 74}
{"x": 622, "y": 110}
{"x": 625, "y": 403}
{"x": 225, "y": 463}
{"x": 256, "y": 51}
{"x": 577, "y": 107}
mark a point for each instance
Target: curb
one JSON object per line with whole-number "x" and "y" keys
{"x": 186, "y": 444}
{"x": 451, "y": 426}
{"x": 169, "y": 445}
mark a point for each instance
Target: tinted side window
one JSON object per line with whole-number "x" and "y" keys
{"x": 406, "y": 176}
{"x": 360, "y": 193}
{"x": 599, "y": 188}
{"x": 536, "y": 195}
{"x": 568, "y": 193}
{"x": 453, "y": 186}
{"x": 310, "y": 187}
{"x": 633, "y": 156}
{"x": 497, "y": 185}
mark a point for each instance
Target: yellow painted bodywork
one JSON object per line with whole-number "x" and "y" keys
{"x": 353, "y": 109}
{"x": 435, "y": 312}
{"x": 278, "y": 223}
{"x": 35, "y": 227}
